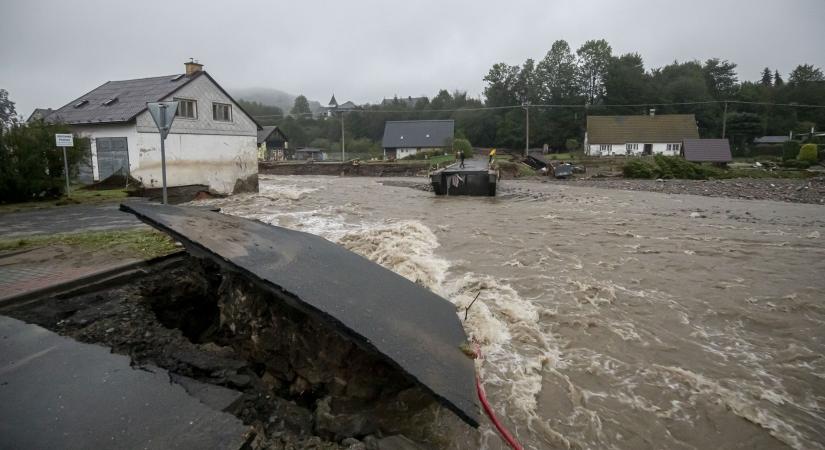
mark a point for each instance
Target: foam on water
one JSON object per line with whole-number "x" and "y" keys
{"x": 621, "y": 365}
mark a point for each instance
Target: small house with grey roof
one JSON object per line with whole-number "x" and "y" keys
{"x": 212, "y": 142}
{"x": 639, "y": 135}
{"x": 404, "y": 138}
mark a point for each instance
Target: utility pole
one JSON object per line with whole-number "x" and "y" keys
{"x": 343, "y": 141}
{"x": 725, "y": 121}
{"x": 526, "y": 106}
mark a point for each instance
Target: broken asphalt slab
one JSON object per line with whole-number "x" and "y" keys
{"x": 381, "y": 311}
{"x": 59, "y": 393}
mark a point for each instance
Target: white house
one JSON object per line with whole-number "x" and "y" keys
{"x": 212, "y": 141}
{"x": 639, "y": 135}
{"x": 404, "y": 138}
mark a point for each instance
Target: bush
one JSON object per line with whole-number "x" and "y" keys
{"x": 670, "y": 167}
{"x": 790, "y": 150}
{"x": 571, "y": 145}
{"x": 809, "y": 153}
{"x": 639, "y": 168}
{"x": 463, "y": 145}
{"x": 31, "y": 166}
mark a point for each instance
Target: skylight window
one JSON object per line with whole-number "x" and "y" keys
{"x": 80, "y": 103}
{"x": 110, "y": 101}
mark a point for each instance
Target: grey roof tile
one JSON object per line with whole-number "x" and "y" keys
{"x": 130, "y": 97}
{"x": 707, "y": 150}
{"x": 417, "y": 133}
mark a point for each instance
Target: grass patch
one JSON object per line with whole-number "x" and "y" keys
{"x": 441, "y": 159}
{"x": 137, "y": 243}
{"x": 78, "y": 197}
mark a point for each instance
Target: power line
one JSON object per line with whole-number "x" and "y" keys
{"x": 548, "y": 106}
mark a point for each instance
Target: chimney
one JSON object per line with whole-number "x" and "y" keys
{"x": 192, "y": 67}
{"x": 652, "y": 112}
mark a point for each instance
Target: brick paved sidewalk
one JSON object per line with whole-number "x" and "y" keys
{"x": 20, "y": 279}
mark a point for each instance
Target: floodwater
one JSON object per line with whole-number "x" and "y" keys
{"x": 608, "y": 319}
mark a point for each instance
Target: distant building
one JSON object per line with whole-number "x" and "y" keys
{"x": 333, "y": 107}
{"x": 272, "y": 143}
{"x": 639, "y": 135}
{"x": 706, "y": 150}
{"x": 39, "y": 114}
{"x": 212, "y": 140}
{"x": 316, "y": 154}
{"x": 408, "y": 137}
{"x": 409, "y": 102}
{"x": 771, "y": 140}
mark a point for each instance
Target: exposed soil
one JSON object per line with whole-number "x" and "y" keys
{"x": 303, "y": 385}
{"x": 785, "y": 190}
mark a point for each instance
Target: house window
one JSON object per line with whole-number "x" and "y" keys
{"x": 631, "y": 147}
{"x": 222, "y": 112}
{"x": 673, "y": 147}
{"x": 187, "y": 109}
{"x": 605, "y": 148}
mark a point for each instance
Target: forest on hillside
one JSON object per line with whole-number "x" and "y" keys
{"x": 565, "y": 86}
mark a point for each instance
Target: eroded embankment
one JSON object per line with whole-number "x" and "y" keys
{"x": 302, "y": 384}
{"x": 346, "y": 169}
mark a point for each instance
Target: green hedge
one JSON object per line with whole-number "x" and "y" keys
{"x": 669, "y": 167}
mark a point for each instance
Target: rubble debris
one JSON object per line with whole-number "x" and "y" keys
{"x": 289, "y": 376}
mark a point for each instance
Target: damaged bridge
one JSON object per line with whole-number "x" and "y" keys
{"x": 403, "y": 324}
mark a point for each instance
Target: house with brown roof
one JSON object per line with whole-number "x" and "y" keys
{"x": 639, "y": 135}
{"x": 212, "y": 141}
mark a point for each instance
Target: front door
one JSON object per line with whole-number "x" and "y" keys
{"x": 648, "y": 149}
{"x": 112, "y": 156}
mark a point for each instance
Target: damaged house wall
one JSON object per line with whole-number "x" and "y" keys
{"x": 215, "y": 153}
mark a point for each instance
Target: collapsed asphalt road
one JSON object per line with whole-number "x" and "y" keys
{"x": 382, "y": 312}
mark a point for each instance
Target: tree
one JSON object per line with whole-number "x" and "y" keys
{"x": 264, "y": 114}
{"x": 767, "y": 77}
{"x": 7, "y": 111}
{"x": 594, "y": 56}
{"x": 463, "y": 145}
{"x": 626, "y": 81}
{"x": 501, "y": 85}
{"x": 777, "y": 79}
{"x": 556, "y": 73}
{"x": 527, "y": 88}
{"x": 720, "y": 76}
{"x": 805, "y": 73}
{"x": 301, "y": 107}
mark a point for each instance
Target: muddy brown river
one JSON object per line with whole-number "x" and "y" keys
{"x": 608, "y": 319}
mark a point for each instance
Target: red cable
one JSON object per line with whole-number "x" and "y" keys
{"x": 482, "y": 396}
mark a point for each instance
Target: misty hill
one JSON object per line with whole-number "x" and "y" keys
{"x": 271, "y": 97}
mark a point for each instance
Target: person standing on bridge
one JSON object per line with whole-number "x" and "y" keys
{"x": 461, "y": 157}
{"x": 492, "y": 156}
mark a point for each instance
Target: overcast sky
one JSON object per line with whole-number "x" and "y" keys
{"x": 53, "y": 51}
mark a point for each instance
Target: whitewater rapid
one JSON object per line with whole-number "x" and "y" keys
{"x": 608, "y": 319}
